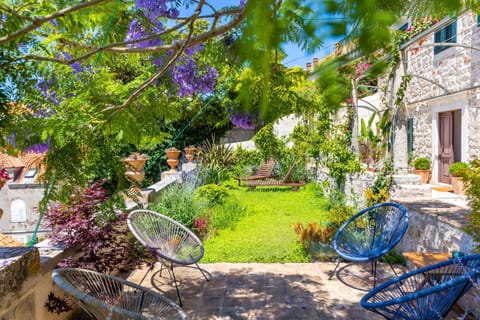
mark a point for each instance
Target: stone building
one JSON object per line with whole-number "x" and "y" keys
{"x": 443, "y": 95}
{"x": 21, "y": 195}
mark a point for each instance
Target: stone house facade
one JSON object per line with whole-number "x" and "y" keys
{"x": 21, "y": 195}
{"x": 443, "y": 95}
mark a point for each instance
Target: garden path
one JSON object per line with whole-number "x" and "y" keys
{"x": 271, "y": 291}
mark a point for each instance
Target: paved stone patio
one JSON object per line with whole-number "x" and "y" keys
{"x": 269, "y": 291}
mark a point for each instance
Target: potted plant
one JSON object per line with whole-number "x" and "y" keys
{"x": 457, "y": 170}
{"x": 421, "y": 167}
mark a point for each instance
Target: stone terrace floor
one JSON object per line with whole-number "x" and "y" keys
{"x": 270, "y": 291}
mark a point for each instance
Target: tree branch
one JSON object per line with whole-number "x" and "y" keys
{"x": 162, "y": 71}
{"x": 121, "y": 47}
{"x": 41, "y": 20}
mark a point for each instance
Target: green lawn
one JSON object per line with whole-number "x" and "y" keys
{"x": 265, "y": 233}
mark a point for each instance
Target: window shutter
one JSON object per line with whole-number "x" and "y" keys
{"x": 410, "y": 135}
{"x": 446, "y": 34}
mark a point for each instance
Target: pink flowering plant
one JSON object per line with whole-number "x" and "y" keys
{"x": 416, "y": 27}
{"x": 4, "y": 177}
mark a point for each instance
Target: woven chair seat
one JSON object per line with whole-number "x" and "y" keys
{"x": 107, "y": 297}
{"x": 426, "y": 293}
{"x": 371, "y": 233}
{"x": 173, "y": 243}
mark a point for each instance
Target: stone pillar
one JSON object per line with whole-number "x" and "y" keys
{"x": 400, "y": 145}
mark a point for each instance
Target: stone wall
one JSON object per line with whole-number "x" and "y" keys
{"x": 31, "y": 195}
{"x": 435, "y": 226}
{"x": 474, "y": 127}
{"x": 25, "y": 281}
{"x": 445, "y": 81}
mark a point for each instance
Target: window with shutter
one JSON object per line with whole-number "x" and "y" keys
{"x": 18, "y": 211}
{"x": 446, "y": 34}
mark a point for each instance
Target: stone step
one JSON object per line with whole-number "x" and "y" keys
{"x": 406, "y": 179}
{"x": 412, "y": 191}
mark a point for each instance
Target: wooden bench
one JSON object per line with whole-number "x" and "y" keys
{"x": 421, "y": 259}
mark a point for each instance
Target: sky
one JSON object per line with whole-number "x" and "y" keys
{"x": 295, "y": 56}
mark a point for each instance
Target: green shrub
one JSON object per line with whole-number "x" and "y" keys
{"x": 338, "y": 215}
{"x": 421, "y": 163}
{"x": 268, "y": 144}
{"x": 457, "y": 169}
{"x": 393, "y": 257}
{"x": 471, "y": 179}
{"x": 178, "y": 202}
{"x": 212, "y": 194}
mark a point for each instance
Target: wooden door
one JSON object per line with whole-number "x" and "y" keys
{"x": 445, "y": 150}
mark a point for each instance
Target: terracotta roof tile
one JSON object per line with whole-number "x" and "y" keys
{"x": 6, "y": 241}
{"x": 7, "y": 161}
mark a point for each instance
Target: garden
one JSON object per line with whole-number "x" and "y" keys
{"x": 93, "y": 85}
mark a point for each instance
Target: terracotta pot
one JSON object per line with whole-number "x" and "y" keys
{"x": 457, "y": 185}
{"x": 424, "y": 174}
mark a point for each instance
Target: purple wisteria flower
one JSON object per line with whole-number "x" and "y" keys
{"x": 137, "y": 31}
{"x": 153, "y": 9}
{"x": 38, "y": 148}
{"x": 243, "y": 121}
{"x": 3, "y": 19}
{"x": 76, "y": 66}
{"x": 43, "y": 86}
{"x": 190, "y": 77}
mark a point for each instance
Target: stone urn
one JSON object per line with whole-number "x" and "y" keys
{"x": 190, "y": 153}
{"x": 172, "y": 158}
{"x": 134, "y": 165}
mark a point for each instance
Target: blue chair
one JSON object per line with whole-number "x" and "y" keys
{"x": 370, "y": 234}
{"x": 426, "y": 293}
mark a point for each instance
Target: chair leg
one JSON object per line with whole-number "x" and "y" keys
{"x": 145, "y": 275}
{"x": 203, "y": 273}
{"x": 334, "y": 270}
{"x": 374, "y": 272}
{"x": 394, "y": 272}
{"x": 176, "y": 285}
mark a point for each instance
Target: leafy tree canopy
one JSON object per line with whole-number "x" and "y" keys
{"x": 94, "y": 79}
